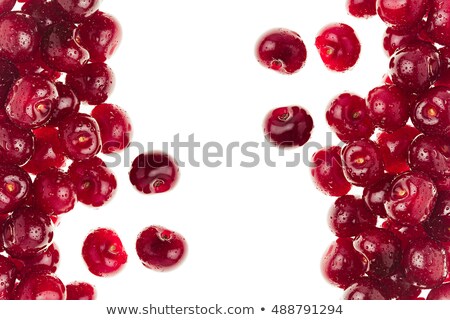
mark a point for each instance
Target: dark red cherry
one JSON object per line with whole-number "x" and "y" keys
{"x": 349, "y": 216}
{"x": 80, "y": 136}
{"x": 438, "y": 224}
{"x": 48, "y": 151}
{"x": 415, "y": 67}
{"x": 27, "y": 232}
{"x": 80, "y": 291}
{"x": 16, "y": 145}
{"x": 78, "y": 10}
{"x": 15, "y": 185}
{"x": 153, "y": 172}
{"x": 31, "y": 101}
{"x": 402, "y": 14}
{"x": 37, "y": 67}
{"x": 60, "y": 50}
{"x": 100, "y": 35}
{"x": 364, "y": 289}
{"x": 362, "y": 162}
{"x": 425, "y": 263}
{"x": 7, "y": 278}
{"x": 160, "y": 249}
{"x": 394, "y": 39}
{"x": 94, "y": 182}
{"x": 281, "y": 50}
{"x": 19, "y": 37}
{"x": 40, "y": 286}
{"x": 348, "y": 117}
{"x": 444, "y": 76}
{"x": 374, "y": 195}
{"x": 45, "y": 12}
{"x": 6, "y": 5}
{"x": 8, "y": 76}
{"x": 341, "y": 264}
{"x": 388, "y": 107}
{"x": 361, "y": 8}
{"x": 327, "y": 172}
{"x": 440, "y": 293}
{"x": 338, "y": 46}
{"x": 92, "y": 83}
{"x": 67, "y": 105}
{"x": 405, "y": 233}
{"x": 288, "y": 126}
{"x": 47, "y": 261}
{"x": 397, "y": 287}
{"x": 438, "y": 22}
{"x": 115, "y": 127}
{"x": 103, "y": 252}
{"x": 411, "y": 198}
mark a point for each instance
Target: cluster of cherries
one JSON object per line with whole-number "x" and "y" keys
{"x": 393, "y": 240}
{"x": 52, "y": 61}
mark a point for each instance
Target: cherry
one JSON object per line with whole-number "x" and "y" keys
{"x": 281, "y": 50}
{"x": 348, "y": 117}
{"x": 59, "y": 49}
{"x": 425, "y": 263}
{"x": 54, "y": 191}
{"x": 6, "y": 5}
{"x": 288, "y": 126}
{"x": 364, "y": 289}
{"x": 402, "y": 14}
{"x": 115, "y": 127}
{"x": 100, "y": 35}
{"x": 47, "y": 261}
{"x": 27, "y": 232}
{"x": 67, "y": 105}
{"x": 92, "y": 83}
{"x": 349, "y": 216}
{"x": 103, "y": 252}
{"x": 440, "y": 293}
{"x": 16, "y": 145}
{"x": 80, "y": 291}
{"x": 8, "y": 76}
{"x": 31, "y": 101}
{"x": 48, "y": 151}
{"x": 80, "y": 136}
{"x": 94, "y": 182}
{"x": 7, "y": 278}
{"x": 438, "y": 224}
{"x": 438, "y": 22}
{"x": 37, "y": 67}
{"x": 19, "y": 37}
{"x": 160, "y": 249}
{"x": 327, "y": 172}
{"x": 362, "y": 163}
{"x": 40, "y": 286}
{"x": 338, "y": 46}
{"x": 397, "y": 287}
{"x": 388, "y": 107}
{"x": 394, "y": 39}
{"x": 153, "y": 172}
{"x": 78, "y": 10}
{"x": 15, "y": 185}
{"x": 361, "y": 8}
{"x": 405, "y": 233}
{"x": 374, "y": 195}
{"x": 411, "y": 198}
{"x": 45, "y": 12}
{"x": 341, "y": 264}
{"x": 415, "y": 67}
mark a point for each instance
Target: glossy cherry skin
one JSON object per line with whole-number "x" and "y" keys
{"x": 425, "y": 263}
{"x": 444, "y": 76}
{"x": 388, "y": 107}
{"x": 415, "y": 67}
{"x": 349, "y": 216}
{"x": 338, "y": 46}
{"x": 362, "y": 162}
{"x": 60, "y": 50}
{"x": 402, "y": 14}
{"x": 438, "y": 22}
{"x": 440, "y": 293}
{"x": 382, "y": 250}
{"x": 153, "y": 172}
{"x": 394, "y": 39}
{"x": 361, "y": 8}
{"x": 341, "y": 264}
{"x": 115, "y": 127}
{"x": 27, "y": 232}
{"x": 78, "y": 10}
{"x": 397, "y": 287}
{"x": 405, "y": 233}
{"x": 16, "y": 145}
{"x": 394, "y": 148}
{"x": 40, "y": 286}
{"x": 374, "y": 195}
{"x": 348, "y": 117}
{"x": 95, "y": 184}
{"x": 160, "y": 249}
{"x": 80, "y": 136}
{"x": 364, "y": 289}
{"x": 92, "y": 83}
{"x": 54, "y": 191}
{"x": 45, "y": 12}
{"x": 6, "y": 5}
{"x": 103, "y": 252}
{"x": 19, "y": 37}
{"x": 47, "y": 261}
{"x": 431, "y": 113}
{"x": 48, "y": 151}
{"x": 37, "y": 67}
{"x": 80, "y": 291}
{"x": 8, "y": 278}
{"x": 281, "y": 50}
{"x": 438, "y": 224}
{"x": 411, "y": 198}
{"x": 8, "y": 76}
{"x": 67, "y": 105}
{"x": 100, "y": 35}
{"x": 327, "y": 173}
{"x": 288, "y": 126}
{"x": 31, "y": 101}
{"x": 15, "y": 186}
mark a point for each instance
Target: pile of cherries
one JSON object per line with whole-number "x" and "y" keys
{"x": 393, "y": 239}
{"x": 52, "y": 62}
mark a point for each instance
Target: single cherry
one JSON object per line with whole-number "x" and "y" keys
{"x": 402, "y": 14}
{"x": 80, "y": 291}
{"x": 79, "y": 10}
{"x": 40, "y": 286}
{"x": 438, "y": 22}
{"x": 361, "y": 8}
{"x": 7, "y": 278}
{"x": 67, "y": 105}
{"x": 16, "y": 145}
{"x": 15, "y": 186}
